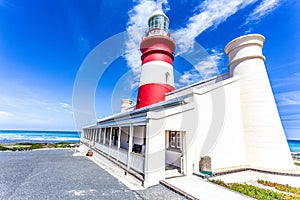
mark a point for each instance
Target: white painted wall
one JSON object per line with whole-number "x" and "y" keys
{"x": 154, "y": 156}
{"x": 212, "y": 125}
{"x": 180, "y": 118}
{"x": 219, "y": 126}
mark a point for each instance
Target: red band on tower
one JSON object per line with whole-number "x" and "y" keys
{"x": 152, "y": 93}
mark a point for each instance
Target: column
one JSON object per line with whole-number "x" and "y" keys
{"x": 130, "y": 145}
{"x": 104, "y": 135}
{"x": 119, "y": 137}
{"x": 110, "y": 136}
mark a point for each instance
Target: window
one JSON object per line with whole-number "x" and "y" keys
{"x": 115, "y": 136}
{"x": 158, "y": 22}
{"x": 178, "y": 140}
{"x": 174, "y": 140}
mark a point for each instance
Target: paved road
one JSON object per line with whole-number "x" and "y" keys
{"x": 56, "y": 174}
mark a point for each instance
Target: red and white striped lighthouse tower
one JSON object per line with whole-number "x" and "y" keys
{"x": 157, "y": 49}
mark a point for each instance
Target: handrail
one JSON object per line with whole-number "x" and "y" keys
{"x": 157, "y": 31}
{"x": 137, "y": 154}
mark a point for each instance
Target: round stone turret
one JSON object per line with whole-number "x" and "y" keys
{"x": 263, "y": 131}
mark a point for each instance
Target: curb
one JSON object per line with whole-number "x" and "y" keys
{"x": 177, "y": 190}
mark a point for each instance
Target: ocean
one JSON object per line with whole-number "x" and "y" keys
{"x": 14, "y": 136}
{"x": 294, "y": 146}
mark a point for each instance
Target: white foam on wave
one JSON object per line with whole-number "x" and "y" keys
{"x": 14, "y": 137}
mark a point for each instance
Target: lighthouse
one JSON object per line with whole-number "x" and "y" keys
{"x": 157, "y": 49}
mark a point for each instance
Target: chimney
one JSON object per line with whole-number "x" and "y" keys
{"x": 125, "y": 105}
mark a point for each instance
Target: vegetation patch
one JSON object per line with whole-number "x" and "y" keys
{"x": 260, "y": 193}
{"x": 3, "y": 148}
{"x": 24, "y": 146}
{"x": 281, "y": 187}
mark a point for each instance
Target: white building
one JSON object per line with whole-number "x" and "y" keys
{"x": 227, "y": 122}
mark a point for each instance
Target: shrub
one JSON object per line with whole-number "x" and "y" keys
{"x": 3, "y": 148}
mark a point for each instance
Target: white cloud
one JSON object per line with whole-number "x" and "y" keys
{"x": 204, "y": 69}
{"x": 22, "y": 108}
{"x": 210, "y": 13}
{"x": 5, "y": 115}
{"x": 288, "y": 98}
{"x": 264, "y": 8}
{"x": 292, "y": 80}
{"x": 136, "y": 27}
{"x": 64, "y": 105}
{"x": 209, "y": 66}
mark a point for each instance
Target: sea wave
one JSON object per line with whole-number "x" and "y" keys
{"x": 50, "y": 138}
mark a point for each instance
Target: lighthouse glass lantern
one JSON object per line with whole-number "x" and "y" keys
{"x": 158, "y": 24}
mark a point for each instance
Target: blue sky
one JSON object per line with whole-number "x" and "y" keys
{"x": 43, "y": 44}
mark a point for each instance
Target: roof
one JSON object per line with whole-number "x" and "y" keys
{"x": 140, "y": 116}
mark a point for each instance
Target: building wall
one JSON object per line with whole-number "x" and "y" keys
{"x": 220, "y": 129}
{"x": 179, "y": 118}
{"x": 212, "y": 126}
{"x": 234, "y": 121}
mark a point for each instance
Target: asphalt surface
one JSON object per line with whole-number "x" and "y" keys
{"x": 56, "y": 174}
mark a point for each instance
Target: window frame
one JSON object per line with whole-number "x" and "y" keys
{"x": 174, "y": 140}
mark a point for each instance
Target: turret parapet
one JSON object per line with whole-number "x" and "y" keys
{"x": 244, "y": 48}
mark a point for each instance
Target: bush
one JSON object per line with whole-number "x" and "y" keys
{"x": 63, "y": 145}
{"x": 30, "y": 146}
{"x": 37, "y": 146}
{"x": 3, "y": 148}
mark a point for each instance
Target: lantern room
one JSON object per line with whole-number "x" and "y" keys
{"x": 158, "y": 24}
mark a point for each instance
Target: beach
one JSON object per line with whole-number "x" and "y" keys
{"x": 57, "y": 174}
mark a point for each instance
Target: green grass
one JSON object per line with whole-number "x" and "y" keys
{"x": 297, "y": 163}
{"x": 258, "y": 193}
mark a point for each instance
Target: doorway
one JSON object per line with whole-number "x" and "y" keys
{"x": 174, "y": 157}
